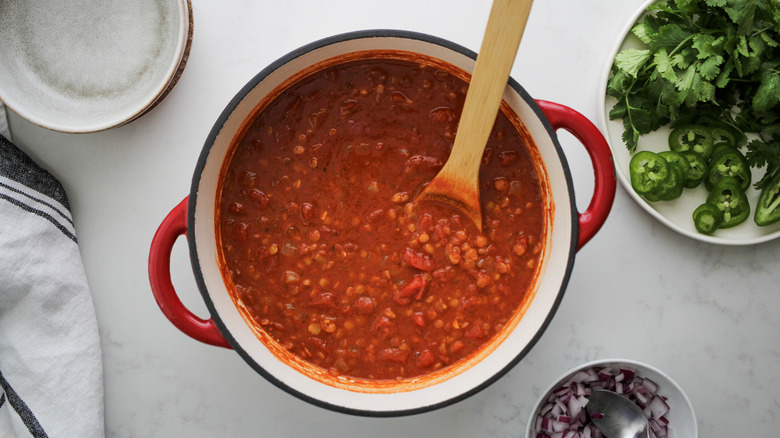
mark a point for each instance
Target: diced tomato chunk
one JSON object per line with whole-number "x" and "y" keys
{"x": 383, "y": 327}
{"x": 318, "y": 344}
{"x": 324, "y": 300}
{"x": 393, "y": 355}
{"x": 417, "y": 260}
{"x": 475, "y": 331}
{"x": 457, "y": 346}
{"x": 426, "y": 222}
{"x": 364, "y": 305}
{"x": 413, "y": 289}
{"x": 425, "y": 359}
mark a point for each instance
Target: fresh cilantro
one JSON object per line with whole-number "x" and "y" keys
{"x": 715, "y": 62}
{"x": 768, "y": 93}
{"x": 631, "y": 60}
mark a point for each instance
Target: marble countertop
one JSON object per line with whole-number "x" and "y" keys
{"x": 707, "y": 315}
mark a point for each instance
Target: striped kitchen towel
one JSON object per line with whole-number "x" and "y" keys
{"x": 51, "y": 373}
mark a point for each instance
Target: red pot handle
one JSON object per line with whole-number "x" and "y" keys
{"x": 173, "y": 226}
{"x": 591, "y": 220}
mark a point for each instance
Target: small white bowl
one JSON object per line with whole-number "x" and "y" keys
{"x": 87, "y": 66}
{"x": 682, "y": 419}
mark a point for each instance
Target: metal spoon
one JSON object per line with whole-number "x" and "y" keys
{"x": 457, "y": 182}
{"x": 616, "y": 416}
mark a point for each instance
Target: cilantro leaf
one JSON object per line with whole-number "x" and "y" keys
{"x": 686, "y": 81}
{"x": 742, "y": 12}
{"x": 643, "y": 31}
{"x": 631, "y": 60}
{"x": 710, "y": 67}
{"x": 757, "y": 45}
{"x": 707, "y": 45}
{"x": 750, "y": 65}
{"x": 630, "y": 137}
{"x": 756, "y": 153}
{"x": 768, "y": 93}
{"x": 724, "y": 77}
{"x": 705, "y": 91}
{"x": 670, "y": 37}
{"x": 742, "y": 46}
{"x": 768, "y": 38}
{"x": 761, "y": 153}
{"x": 618, "y": 111}
{"x": 664, "y": 66}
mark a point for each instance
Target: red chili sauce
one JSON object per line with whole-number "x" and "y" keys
{"x": 325, "y": 249}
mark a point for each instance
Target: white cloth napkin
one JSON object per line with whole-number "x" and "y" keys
{"x": 51, "y": 372}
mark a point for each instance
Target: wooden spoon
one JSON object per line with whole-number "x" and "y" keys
{"x": 457, "y": 183}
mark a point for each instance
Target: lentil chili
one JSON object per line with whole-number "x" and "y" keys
{"x": 325, "y": 248}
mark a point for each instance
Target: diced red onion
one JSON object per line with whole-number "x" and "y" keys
{"x": 650, "y": 385}
{"x": 658, "y": 407}
{"x": 544, "y": 424}
{"x": 557, "y": 426}
{"x": 563, "y": 415}
{"x": 574, "y": 407}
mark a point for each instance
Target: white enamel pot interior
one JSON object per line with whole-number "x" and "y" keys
{"x": 558, "y": 259}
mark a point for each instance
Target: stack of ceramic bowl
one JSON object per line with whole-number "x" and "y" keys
{"x": 86, "y": 66}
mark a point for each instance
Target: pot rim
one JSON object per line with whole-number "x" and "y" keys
{"x": 192, "y": 240}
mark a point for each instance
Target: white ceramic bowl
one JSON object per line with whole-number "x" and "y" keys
{"x": 90, "y": 65}
{"x": 682, "y": 419}
{"x": 675, "y": 214}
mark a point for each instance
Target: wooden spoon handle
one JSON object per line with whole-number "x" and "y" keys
{"x": 506, "y": 24}
{"x": 457, "y": 184}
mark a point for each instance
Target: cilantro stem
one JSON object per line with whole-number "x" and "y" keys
{"x": 680, "y": 46}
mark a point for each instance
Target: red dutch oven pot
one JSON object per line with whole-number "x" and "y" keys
{"x": 568, "y": 231}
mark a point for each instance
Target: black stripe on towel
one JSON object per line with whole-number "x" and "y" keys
{"x": 21, "y": 408}
{"x": 44, "y": 215}
{"x": 64, "y": 214}
{"x": 16, "y": 165}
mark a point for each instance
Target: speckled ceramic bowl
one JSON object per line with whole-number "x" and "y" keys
{"x": 86, "y": 66}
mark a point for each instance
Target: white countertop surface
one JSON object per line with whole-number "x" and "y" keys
{"x": 706, "y": 315}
